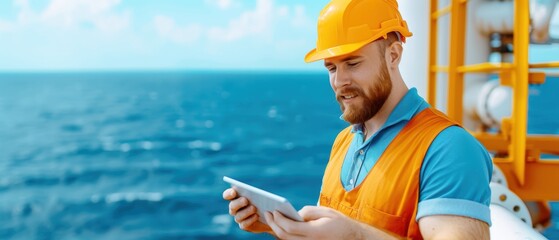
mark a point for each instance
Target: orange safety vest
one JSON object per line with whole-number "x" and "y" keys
{"x": 388, "y": 196}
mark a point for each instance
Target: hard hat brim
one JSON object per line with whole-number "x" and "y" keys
{"x": 315, "y": 55}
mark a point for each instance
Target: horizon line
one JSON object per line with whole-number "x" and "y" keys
{"x": 224, "y": 70}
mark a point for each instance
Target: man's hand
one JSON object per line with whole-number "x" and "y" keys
{"x": 244, "y": 213}
{"x": 322, "y": 223}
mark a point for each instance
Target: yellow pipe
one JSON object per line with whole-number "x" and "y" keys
{"x": 433, "y": 40}
{"x": 435, "y": 14}
{"x": 485, "y": 67}
{"x": 456, "y": 59}
{"x": 545, "y": 65}
{"x": 540, "y": 187}
{"x": 517, "y": 148}
{"x": 439, "y": 68}
{"x": 500, "y": 143}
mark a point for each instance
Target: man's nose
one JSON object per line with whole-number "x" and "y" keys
{"x": 341, "y": 78}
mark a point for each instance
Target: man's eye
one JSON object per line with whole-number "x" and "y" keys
{"x": 353, "y": 64}
{"x": 331, "y": 69}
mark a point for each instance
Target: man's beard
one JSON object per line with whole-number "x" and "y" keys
{"x": 379, "y": 92}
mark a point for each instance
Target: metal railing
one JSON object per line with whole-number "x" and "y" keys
{"x": 518, "y": 153}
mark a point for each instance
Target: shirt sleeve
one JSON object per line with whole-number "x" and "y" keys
{"x": 455, "y": 176}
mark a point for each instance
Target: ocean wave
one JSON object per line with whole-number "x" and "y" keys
{"x": 129, "y": 197}
{"x": 199, "y": 144}
{"x": 71, "y": 127}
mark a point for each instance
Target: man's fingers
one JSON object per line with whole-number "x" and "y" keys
{"x": 280, "y": 233}
{"x": 282, "y": 226}
{"x": 229, "y": 194}
{"x": 290, "y": 226}
{"x": 310, "y": 213}
{"x": 246, "y": 223}
{"x": 245, "y": 213}
{"x": 237, "y": 204}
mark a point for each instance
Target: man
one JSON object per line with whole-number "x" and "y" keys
{"x": 402, "y": 169}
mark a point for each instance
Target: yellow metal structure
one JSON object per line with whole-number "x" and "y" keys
{"x": 517, "y": 154}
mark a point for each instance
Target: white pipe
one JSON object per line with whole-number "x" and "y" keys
{"x": 498, "y": 17}
{"x": 541, "y": 13}
{"x": 499, "y": 177}
{"x": 495, "y": 17}
{"x": 477, "y": 51}
{"x": 494, "y": 103}
{"x": 506, "y": 226}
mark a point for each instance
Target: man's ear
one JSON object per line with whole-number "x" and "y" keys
{"x": 394, "y": 54}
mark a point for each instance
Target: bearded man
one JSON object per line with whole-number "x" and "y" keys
{"x": 402, "y": 169}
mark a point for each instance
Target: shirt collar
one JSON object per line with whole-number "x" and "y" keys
{"x": 408, "y": 106}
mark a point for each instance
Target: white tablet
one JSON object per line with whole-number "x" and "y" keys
{"x": 264, "y": 201}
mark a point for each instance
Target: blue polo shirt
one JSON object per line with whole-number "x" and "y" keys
{"x": 455, "y": 174}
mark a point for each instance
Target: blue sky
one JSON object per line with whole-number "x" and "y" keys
{"x": 74, "y": 35}
{"x": 164, "y": 34}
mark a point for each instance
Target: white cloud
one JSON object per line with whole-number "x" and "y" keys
{"x": 283, "y": 11}
{"x": 21, "y": 3}
{"x": 222, "y": 4}
{"x": 295, "y": 15}
{"x": 5, "y": 26}
{"x": 71, "y": 13}
{"x": 249, "y": 23}
{"x": 99, "y": 13}
{"x": 300, "y": 19}
{"x": 257, "y": 22}
{"x": 167, "y": 28}
{"x": 24, "y": 16}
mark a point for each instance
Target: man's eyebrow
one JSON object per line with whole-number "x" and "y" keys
{"x": 348, "y": 58}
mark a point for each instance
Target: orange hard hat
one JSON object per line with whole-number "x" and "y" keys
{"x": 344, "y": 26}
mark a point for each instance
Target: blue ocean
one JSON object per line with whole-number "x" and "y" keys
{"x": 141, "y": 155}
